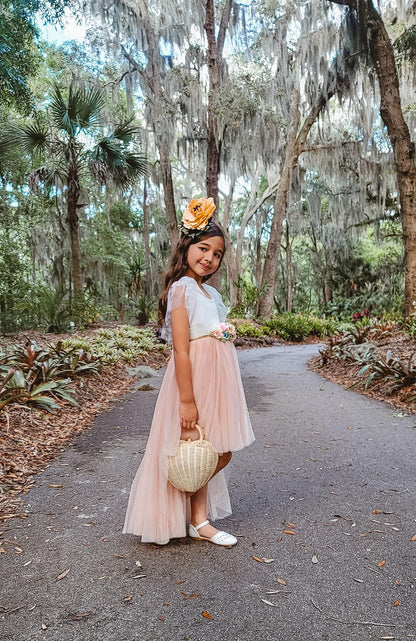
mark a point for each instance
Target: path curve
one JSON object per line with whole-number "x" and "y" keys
{"x": 331, "y": 466}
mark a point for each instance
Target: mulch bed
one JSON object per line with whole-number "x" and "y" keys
{"x": 400, "y": 345}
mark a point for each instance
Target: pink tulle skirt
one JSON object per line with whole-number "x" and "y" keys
{"x": 156, "y": 510}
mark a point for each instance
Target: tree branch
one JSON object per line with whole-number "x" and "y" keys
{"x": 225, "y": 18}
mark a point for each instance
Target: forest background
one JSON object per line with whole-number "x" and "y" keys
{"x": 276, "y": 109}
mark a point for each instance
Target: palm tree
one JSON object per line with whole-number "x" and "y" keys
{"x": 70, "y": 138}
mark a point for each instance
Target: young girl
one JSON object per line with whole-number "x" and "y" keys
{"x": 202, "y": 385}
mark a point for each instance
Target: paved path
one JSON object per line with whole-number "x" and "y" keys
{"x": 335, "y": 468}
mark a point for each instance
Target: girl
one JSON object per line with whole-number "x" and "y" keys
{"x": 202, "y": 384}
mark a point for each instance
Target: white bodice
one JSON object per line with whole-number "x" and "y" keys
{"x": 205, "y": 310}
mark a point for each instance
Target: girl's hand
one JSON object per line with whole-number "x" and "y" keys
{"x": 188, "y": 415}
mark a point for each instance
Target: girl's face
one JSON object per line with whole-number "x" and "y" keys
{"x": 204, "y": 257}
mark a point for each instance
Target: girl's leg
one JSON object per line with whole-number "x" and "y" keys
{"x": 199, "y": 501}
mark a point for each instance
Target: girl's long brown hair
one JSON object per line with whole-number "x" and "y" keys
{"x": 179, "y": 264}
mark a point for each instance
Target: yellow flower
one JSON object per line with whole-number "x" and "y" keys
{"x": 198, "y": 213}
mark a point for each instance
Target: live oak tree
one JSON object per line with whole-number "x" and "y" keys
{"x": 374, "y": 42}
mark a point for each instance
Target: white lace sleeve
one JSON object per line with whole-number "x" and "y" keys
{"x": 177, "y": 292}
{"x": 222, "y": 310}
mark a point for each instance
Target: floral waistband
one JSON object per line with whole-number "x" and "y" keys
{"x": 224, "y": 332}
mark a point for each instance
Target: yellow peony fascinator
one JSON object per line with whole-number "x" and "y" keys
{"x": 196, "y": 216}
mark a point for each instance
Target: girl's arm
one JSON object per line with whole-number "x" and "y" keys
{"x": 188, "y": 412}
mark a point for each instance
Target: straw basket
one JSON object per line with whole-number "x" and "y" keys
{"x": 193, "y": 464}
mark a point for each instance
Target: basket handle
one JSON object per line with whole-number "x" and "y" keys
{"x": 201, "y": 434}
{"x": 201, "y": 431}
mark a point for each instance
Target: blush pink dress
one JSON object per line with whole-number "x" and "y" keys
{"x": 157, "y": 511}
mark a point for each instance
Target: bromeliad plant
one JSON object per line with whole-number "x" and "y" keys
{"x": 40, "y": 376}
{"x": 125, "y": 343}
{"x": 16, "y": 388}
{"x": 390, "y": 370}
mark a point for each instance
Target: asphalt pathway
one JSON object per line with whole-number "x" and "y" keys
{"x": 324, "y": 509}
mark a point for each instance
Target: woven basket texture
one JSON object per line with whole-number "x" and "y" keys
{"x": 193, "y": 464}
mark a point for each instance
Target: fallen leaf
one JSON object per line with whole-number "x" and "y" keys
{"x": 291, "y": 524}
{"x": 128, "y": 598}
{"x": 18, "y": 550}
{"x": 315, "y": 559}
{"x": 179, "y": 582}
{"x": 274, "y": 605}
{"x": 396, "y": 603}
{"x": 377, "y": 512}
{"x": 289, "y": 532}
{"x": 207, "y": 615}
{"x": 256, "y": 558}
{"x": 119, "y": 556}
{"x": 281, "y": 581}
{"x": 413, "y": 538}
{"x": 381, "y": 563}
{"x": 267, "y": 560}
{"x": 56, "y": 485}
{"x": 79, "y": 616}
{"x": 161, "y": 618}
{"x": 62, "y": 575}
{"x": 191, "y": 596}
{"x": 397, "y": 582}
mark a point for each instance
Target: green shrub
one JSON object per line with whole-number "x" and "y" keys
{"x": 296, "y": 327}
{"x": 122, "y": 343}
{"x": 143, "y": 308}
{"x": 246, "y": 329}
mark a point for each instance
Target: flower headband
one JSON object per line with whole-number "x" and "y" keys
{"x": 196, "y": 217}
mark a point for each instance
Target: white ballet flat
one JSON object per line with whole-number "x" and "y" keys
{"x": 220, "y": 538}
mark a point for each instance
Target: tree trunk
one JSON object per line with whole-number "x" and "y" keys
{"x": 289, "y": 297}
{"x": 215, "y": 63}
{"x": 168, "y": 193}
{"x": 161, "y": 121}
{"x": 265, "y": 304}
{"x": 382, "y": 55}
{"x": 73, "y": 224}
{"x": 230, "y": 256}
{"x": 148, "y": 277}
{"x": 295, "y": 146}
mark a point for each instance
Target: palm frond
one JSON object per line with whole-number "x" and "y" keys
{"x": 90, "y": 103}
{"x": 121, "y": 165}
{"x": 33, "y": 138}
{"x": 127, "y": 131}
{"x": 135, "y": 166}
{"x": 63, "y": 119}
{"x": 108, "y": 151}
{"x": 80, "y": 110}
{"x": 47, "y": 176}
